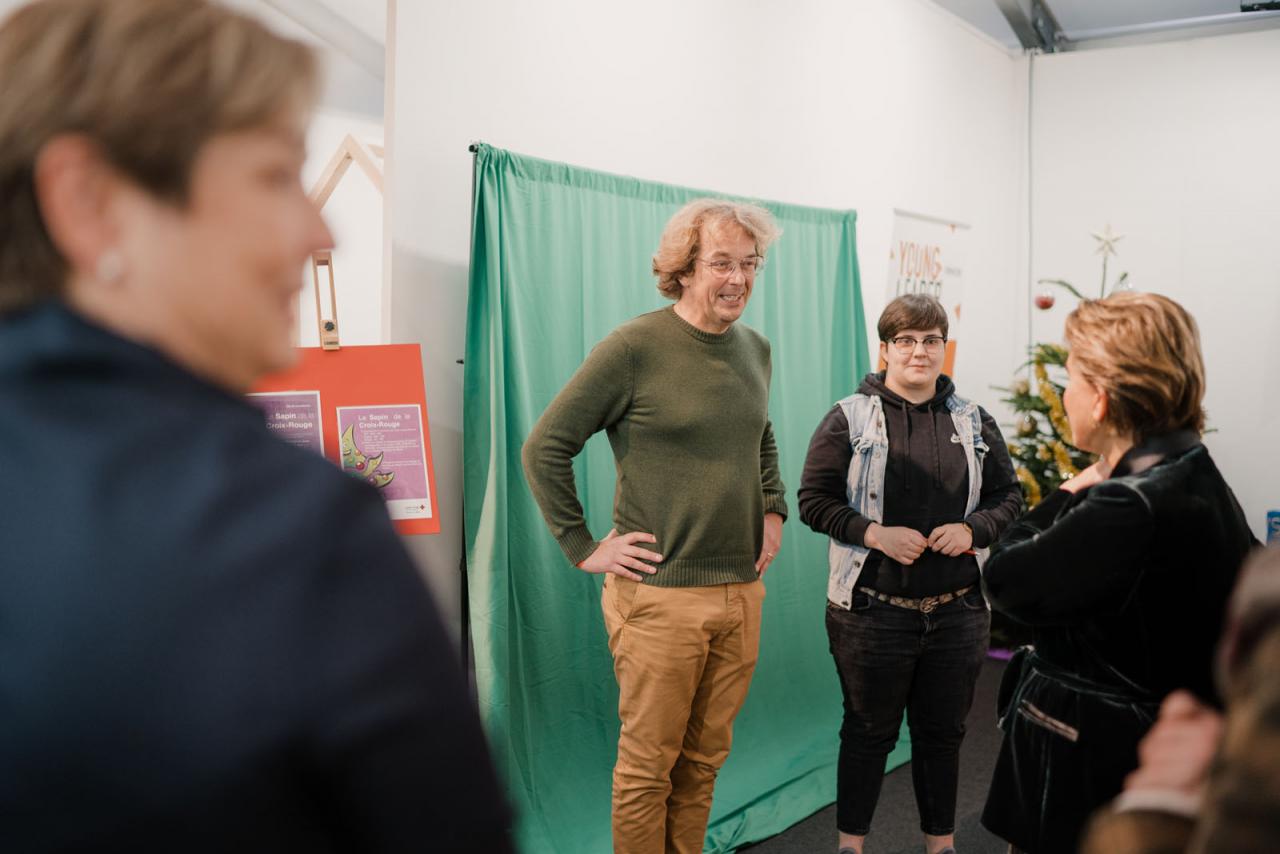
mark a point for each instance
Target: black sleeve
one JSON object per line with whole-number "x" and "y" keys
{"x": 1072, "y": 556}
{"x": 1001, "y": 498}
{"x": 824, "y": 489}
{"x": 397, "y": 744}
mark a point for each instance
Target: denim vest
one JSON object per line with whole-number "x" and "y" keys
{"x": 865, "y": 481}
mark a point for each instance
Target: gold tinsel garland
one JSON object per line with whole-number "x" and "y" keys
{"x": 1028, "y": 481}
{"x": 1057, "y": 415}
{"x": 1065, "y": 467}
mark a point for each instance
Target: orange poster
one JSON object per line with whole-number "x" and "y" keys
{"x": 372, "y": 422}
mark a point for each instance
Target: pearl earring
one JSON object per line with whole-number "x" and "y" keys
{"x": 110, "y": 267}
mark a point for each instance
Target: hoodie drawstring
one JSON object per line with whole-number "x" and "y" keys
{"x": 933, "y": 440}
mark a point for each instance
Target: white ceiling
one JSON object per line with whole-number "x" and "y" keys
{"x": 1084, "y": 18}
{"x": 350, "y": 36}
{"x": 369, "y": 16}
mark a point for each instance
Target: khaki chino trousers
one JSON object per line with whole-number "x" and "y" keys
{"x": 683, "y": 658}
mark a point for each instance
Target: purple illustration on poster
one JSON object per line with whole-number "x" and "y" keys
{"x": 293, "y": 416}
{"x": 385, "y": 446}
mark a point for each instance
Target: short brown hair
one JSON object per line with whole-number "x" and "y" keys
{"x": 912, "y": 311}
{"x": 148, "y": 82}
{"x": 1143, "y": 350}
{"x": 682, "y": 238}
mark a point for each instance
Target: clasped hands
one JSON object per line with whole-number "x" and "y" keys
{"x": 904, "y": 545}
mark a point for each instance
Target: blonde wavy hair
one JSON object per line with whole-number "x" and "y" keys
{"x": 148, "y": 82}
{"x": 682, "y": 238}
{"x": 1143, "y": 350}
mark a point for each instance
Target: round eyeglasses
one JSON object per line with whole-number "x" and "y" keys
{"x": 906, "y": 344}
{"x": 724, "y": 268}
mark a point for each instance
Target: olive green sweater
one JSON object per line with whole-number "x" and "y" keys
{"x": 686, "y": 413}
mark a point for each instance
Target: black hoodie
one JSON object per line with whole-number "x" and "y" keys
{"x": 926, "y": 485}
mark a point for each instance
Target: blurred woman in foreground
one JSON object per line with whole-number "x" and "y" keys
{"x": 211, "y": 640}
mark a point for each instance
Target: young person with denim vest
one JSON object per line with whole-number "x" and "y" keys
{"x": 909, "y": 481}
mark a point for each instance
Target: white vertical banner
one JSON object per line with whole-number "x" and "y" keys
{"x": 927, "y": 256}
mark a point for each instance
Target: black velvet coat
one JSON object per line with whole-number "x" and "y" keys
{"x": 1126, "y": 585}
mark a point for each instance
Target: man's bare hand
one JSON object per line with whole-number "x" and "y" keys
{"x": 772, "y": 542}
{"x": 903, "y": 545}
{"x": 621, "y": 554}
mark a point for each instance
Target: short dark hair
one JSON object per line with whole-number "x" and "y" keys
{"x": 912, "y": 311}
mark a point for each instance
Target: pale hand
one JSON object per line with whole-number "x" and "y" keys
{"x": 772, "y": 542}
{"x": 1176, "y": 753}
{"x": 1096, "y": 473}
{"x": 903, "y": 545}
{"x": 953, "y": 539}
{"x": 621, "y": 554}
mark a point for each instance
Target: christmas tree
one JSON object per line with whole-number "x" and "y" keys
{"x": 1041, "y": 448}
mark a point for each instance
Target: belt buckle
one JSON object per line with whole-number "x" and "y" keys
{"x": 928, "y": 603}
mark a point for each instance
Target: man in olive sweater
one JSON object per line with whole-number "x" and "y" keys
{"x": 683, "y": 395}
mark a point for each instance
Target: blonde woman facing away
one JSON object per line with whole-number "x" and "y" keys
{"x": 1124, "y": 573}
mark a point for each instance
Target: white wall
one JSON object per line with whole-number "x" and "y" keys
{"x": 870, "y": 105}
{"x": 1175, "y": 145}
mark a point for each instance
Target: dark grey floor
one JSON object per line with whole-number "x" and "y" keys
{"x": 896, "y": 827}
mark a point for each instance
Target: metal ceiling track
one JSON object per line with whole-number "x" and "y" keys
{"x": 1033, "y": 23}
{"x": 1037, "y": 29}
{"x": 1178, "y": 28}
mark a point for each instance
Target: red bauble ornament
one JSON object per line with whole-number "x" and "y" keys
{"x": 1044, "y": 302}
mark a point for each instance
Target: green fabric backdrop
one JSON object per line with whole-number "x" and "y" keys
{"x": 560, "y": 256}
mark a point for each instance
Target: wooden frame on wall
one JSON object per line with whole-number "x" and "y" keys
{"x": 349, "y": 151}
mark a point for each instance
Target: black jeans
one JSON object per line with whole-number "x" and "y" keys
{"x": 892, "y": 660}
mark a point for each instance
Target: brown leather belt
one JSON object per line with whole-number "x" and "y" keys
{"x": 924, "y": 605}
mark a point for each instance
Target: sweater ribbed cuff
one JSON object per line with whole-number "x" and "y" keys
{"x": 776, "y": 503}
{"x": 855, "y": 531}
{"x": 577, "y": 544}
{"x": 981, "y": 531}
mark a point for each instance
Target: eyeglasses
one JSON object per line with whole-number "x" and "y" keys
{"x": 906, "y": 344}
{"x": 724, "y": 268}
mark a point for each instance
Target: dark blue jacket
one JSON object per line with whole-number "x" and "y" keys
{"x": 209, "y": 640}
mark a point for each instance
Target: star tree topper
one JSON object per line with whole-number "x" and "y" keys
{"x": 1107, "y": 241}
